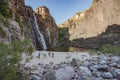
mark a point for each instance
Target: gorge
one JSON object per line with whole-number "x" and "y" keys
{"x": 40, "y": 35}
{"x": 92, "y": 28}
{"x": 97, "y": 26}
{"x": 28, "y": 39}
{"x": 19, "y": 21}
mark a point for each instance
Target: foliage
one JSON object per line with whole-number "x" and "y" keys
{"x": 63, "y": 35}
{"x": 62, "y": 32}
{"x": 24, "y": 46}
{"x": 1, "y": 17}
{"x": 71, "y": 49}
{"x": 8, "y": 59}
{"x": 108, "y": 48}
{"x": 20, "y": 22}
{"x": 93, "y": 51}
{"x": 10, "y": 55}
{"x": 4, "y": 9}
{"x": 2, "y": 32}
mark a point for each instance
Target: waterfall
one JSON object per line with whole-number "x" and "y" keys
{"x": 48, "y": 33}
{"x": 40, "y": 35}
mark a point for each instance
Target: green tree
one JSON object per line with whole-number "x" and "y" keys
{"x": 110, "y": 49}
{"x": 4, "y": 9}
{"x": 10, "y": 55}
{"x": 63, "y": 36}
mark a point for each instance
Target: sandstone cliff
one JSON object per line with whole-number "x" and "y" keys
{"x": 93, "y": 23}
{"x": 15, "y": 23}
{"x": 48, "y": 26}
{"x": 18, "y": 22}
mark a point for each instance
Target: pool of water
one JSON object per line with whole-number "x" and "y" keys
{"x": 68, "y": 49}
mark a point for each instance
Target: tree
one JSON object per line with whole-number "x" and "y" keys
{"x": 10, "y": 55}
{"x": 4, "y": 9}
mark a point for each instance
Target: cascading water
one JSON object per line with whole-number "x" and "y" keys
{"x": 48, "y": 33}
{"x": 40, "y": 35}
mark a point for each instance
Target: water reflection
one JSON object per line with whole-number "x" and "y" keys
{"x": 68, "y": 49}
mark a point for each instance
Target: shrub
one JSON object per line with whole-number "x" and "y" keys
{"x": 1, "y": 17}
{"x": 63, "y": 36}
{"x": 2, "y": 32}
{"x": 110, "y": 49}
{"x": 10, "y": 55}
{"x": 23, "y": 46}
{"x": 4, "y": 9}
{"x": 20, "y": 23}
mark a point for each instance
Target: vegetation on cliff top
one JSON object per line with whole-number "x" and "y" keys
{"x": 4, "y": 9}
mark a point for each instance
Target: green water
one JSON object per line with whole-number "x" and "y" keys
{"x": 68, "y": 49}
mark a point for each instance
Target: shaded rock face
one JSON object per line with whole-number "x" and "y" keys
{"x": 94, "y": 22}
{"x": 47, "y": 26}
{"x": 110, "y": 36}
{"x": 21, "y": 25}
{"x": 16, "y": 27}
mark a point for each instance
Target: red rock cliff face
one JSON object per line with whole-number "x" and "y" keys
{"x": 21, "y": 24}
{"x": 94, "y": 21}
{"x": 16, "y": 27}
{"x": 47, "y": 25}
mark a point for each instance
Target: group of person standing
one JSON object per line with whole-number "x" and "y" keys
{"x": 50, "y": 54}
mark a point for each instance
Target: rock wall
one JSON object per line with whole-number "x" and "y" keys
{"x": 17, "y": 26}
{"x": 93, "y": 22}
{"x": 47, "y": 25}
{"x": 21, "y": 24}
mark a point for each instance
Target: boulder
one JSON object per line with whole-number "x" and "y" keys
{"x": 104, "y": 68}
{"x": 102, "y": 62}
{"x": 50, "y": 76}
{"x": 85, "y": 71}
{"x": 65, "y": 73}
{"x": 107, "y": 75}
{"x": 75, "y": 62}
{"x": 114, "y": 64}
{"x": 86, "y": 64}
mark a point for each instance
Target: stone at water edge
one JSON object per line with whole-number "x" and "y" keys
{"x": 36, "y": 77}
{"x": 115, "y": 58}
{"x": 102, "y": 62}
{"x": 93, "y": 68}
{"x": 50, "y": 76}
{"x": 117, "y": 77}
{"x": 96, "y": 74}
{"x": 117, "y": 71}
{"x": 86, "y": 64}
{"x": 103, "y": 68}
{"x": 75, "y": 62}
{"x": 118, "y": 66}
{"x": 116, "y": 74}
{"x": 98, "y": 78}
{"x": 113, "y": 64}
{"x": 85, "y": 71}
{"x": 107, "y": 75}
{"x": 65, "y": 73}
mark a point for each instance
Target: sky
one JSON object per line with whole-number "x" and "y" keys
{"x": 61, "y": 10}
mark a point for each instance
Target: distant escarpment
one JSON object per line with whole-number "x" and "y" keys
{"x": 98, "y": 25}
{"x": 18, "y": 21}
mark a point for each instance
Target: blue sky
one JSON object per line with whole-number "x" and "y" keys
{"x": 61, "y": 10}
